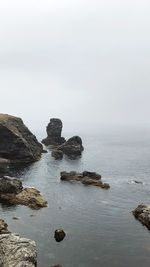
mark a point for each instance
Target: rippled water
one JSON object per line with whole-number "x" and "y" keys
{"x": 101, "y": 230}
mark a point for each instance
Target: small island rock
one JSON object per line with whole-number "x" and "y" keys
{"x": 54, "y": 129}
{"x": 72, "y": 147}
{"x": 86, "y": 178}
{"x": 59, "y": 235}
{"x": 142, "y": 213}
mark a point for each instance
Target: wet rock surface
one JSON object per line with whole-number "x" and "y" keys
{"x": 59, "y": 235}
{"x": 72, "y": 147}
{"x": 10, "y": 185}
{"x": 86, "y": 178}
{"x": 17, "y": 143}
{"x": 142, "y": 213}
{"x": 16, "y": 251}
{"x": 57, "y": 154}
{"x": 54, "y": 130}
{"x": 30, "y": 197}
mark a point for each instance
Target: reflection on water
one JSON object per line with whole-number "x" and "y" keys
{"x": 100, "y": 228}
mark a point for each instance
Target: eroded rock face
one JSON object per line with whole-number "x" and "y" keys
{"x": 86, "y": 178}
{"x": 54, "y": 130}
{"x": 3, "y": 227}
{"x": 142, "y": 213}
{"x": 16, "y": 194}
{"x": 16, "y": 251}
{"x": 17, "y": 143}
{"x": 72, "y": 147}
{"x": 57, "y": 154}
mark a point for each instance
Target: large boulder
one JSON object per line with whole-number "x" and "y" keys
{"x": 86, "y": 178}
{"x": 16, "y": 251}
{"x": 12, "y": 192}
{"x": 72, "y": 147}
{"x": 54, "y": 129}
{"x": 17, "y": 143}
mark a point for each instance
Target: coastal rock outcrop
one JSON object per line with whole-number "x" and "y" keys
{"x": 16, "y": 251}
{"x": 86, "y": 178}
{"x": 142, "y": 213}
{"x": 54, "y": 129}
{"x": 17, "y": 143}
{"x": 72, "y": 147}
{"x": 13, "y": 192}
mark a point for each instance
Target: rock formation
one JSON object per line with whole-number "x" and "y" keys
{"x": 16, "y": 251}
{"x": 57, "y": 154}
{"x": 142, "y": 213}
{"x": 72, "y": 147}
{"x": 17, "y": 143}
{"x": 86, "y": 178}
{"x": 12, "y": 191}
{"x": 59, "y": 235}
{"x": 54, "y": 129}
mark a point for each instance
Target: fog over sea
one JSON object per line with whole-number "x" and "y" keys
{"x": 100, "y": 227}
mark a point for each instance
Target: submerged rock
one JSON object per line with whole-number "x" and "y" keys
{"x": 56, "y": 265}
{"x": 86, "y": 178}
{"x": 142, "y": 213}
{"x": 18, "y": 195}
{"x": 57, "y": 154}
{"x": 59, "y": 235}
{"x": 16, "y": 251}
{"x": 73, "y": 147}
{"x": 54, "y": 129}
{"x": 17, "y": 143}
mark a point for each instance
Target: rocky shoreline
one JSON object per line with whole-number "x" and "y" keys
{"x": 16, "y": 251}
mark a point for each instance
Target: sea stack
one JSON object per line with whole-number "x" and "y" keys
{"x": 17, "y": 143}
{"x": 54, "y": 129}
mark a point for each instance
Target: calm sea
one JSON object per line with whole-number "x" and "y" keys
{"x": 100, "y": 227}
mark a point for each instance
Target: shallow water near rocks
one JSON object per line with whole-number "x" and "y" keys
{"x": 100, "y": 228}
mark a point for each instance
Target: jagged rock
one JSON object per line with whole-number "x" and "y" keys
{"x": 59, "y": 235}
{"x": 10, "y": 185}
{"x": 86, "y": 178}
{"x": 57, "y": 154}
{"x": 73, "y": 147}
{"x": 142, "y": 213}
{"x": 17, "y": 143}
{"x": 16, "y": 251}
{"x": 54, "y": 130}
{"x": 16, "y": 194}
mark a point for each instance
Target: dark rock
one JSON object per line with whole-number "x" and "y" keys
{"x": 86, "y": 178}
{"x": 59, "y": 235}
{"x": 54, "y": 130}
{"x": 57, "y": 154}
{"x": 17, "y": 143}
{"x": 57, "y": 265}
{"x": 44, "y": 151}
{"x": 10, "y": 185}
{"x": 16, "y": 251}
{"x": 142, "y": 213}
{"x": 73, "y": 147}
{"x": 12, "y": 191}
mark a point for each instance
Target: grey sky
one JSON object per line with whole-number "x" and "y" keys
{"x": 79, "y": 60}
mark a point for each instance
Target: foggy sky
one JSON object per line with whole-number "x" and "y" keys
{"x": 84, "y": 61}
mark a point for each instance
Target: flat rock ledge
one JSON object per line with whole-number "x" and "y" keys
{"x": 16, "y": 251}
{"x": 86, "y": 178}
{"x": 12, "y": 192}
{"x": 142, "y": 213}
